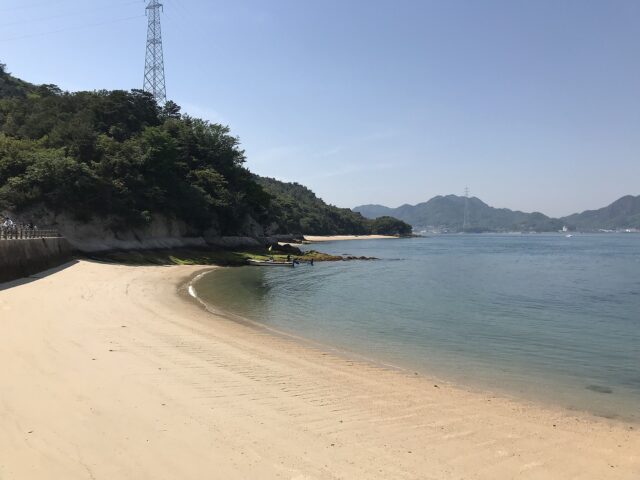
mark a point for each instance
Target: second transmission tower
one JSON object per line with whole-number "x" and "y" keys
{"x": 154, "y": 63}
{"x": 465, "y": 224}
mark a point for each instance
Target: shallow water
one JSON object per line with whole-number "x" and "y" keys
{"x": 543, "y": 317}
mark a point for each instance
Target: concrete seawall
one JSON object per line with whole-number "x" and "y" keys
{"x": 21, "y": 258}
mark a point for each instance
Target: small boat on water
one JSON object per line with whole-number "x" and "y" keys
{"x": 269, "y": 263}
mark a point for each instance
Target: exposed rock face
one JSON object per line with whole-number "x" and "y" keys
{"x": 236, "y": 242}
{"x": 95, "y": 236}
{"x": 161, "y": 233}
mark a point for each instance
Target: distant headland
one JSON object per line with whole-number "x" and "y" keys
{"x": 447, "y": 214}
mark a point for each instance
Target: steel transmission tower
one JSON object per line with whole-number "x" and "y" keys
{"x": 465, "y": 224}
{"x": 154, "y": 63}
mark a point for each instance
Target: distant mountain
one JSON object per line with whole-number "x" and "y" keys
{"x": 373, "y": 211}
{"x": 446, "y": 213}
{"x": 624, "y": 213}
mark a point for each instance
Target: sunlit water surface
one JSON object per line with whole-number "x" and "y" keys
{"x": 543, "y": 317}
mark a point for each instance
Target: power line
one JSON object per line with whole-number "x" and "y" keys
{"x": 32, "y": 5}
{"x": 25, "y": 7}
{"x": 187, "y": 18}
{"x": 66, "y": 15}
{"x": 181, "y": 8}
{"x": 80, "y": 27}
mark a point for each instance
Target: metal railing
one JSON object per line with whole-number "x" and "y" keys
{"x": 24, "y": 233}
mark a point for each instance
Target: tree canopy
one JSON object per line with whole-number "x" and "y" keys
{"x": 298, "y": 210}
{"x": 118, "y": 155}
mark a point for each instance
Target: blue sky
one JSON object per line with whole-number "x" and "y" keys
{"x": 535, "y": 105}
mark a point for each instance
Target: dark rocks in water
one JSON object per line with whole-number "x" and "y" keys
{"x": 358, "y": 258}
{"x": 286, "y": 248}
{"x": 599, "y": 389}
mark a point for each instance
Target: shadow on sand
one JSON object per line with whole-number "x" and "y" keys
{"x": 36, "y": 276}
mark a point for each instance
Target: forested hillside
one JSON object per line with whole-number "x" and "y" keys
{"x": 11, "y": 86}
{"x": 297, "y": 209}
{"x": 622, "y": 214}
{"x": 118, "y": 156}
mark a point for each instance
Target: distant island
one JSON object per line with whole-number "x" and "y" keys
{"x": 114, "y": 167}
{"x": 447, "y": 214}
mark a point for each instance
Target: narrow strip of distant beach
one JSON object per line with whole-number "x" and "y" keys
{"x": 334, "y": 238}
{"x": 115, "y": 372}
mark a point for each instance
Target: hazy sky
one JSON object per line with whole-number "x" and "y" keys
{"x": 535, "y": 105}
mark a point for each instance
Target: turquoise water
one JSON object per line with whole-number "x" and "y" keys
{"x": 543, "y": 317}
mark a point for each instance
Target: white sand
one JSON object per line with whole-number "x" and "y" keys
{"x": 107, "y": 373}
{"x": 333, "y": 238}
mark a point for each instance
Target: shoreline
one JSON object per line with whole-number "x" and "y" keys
{"x": 226, "y": 315}
{"x": 335, "y": 238}
{"x": 123, "y": 367}
{"x": 476, "y": 388}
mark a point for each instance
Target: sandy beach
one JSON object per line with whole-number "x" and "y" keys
{"x": 114, "y": 372}
{"x": 333, "y": 238}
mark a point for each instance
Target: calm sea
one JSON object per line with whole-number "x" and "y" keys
{"x": 543, "y": 317}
